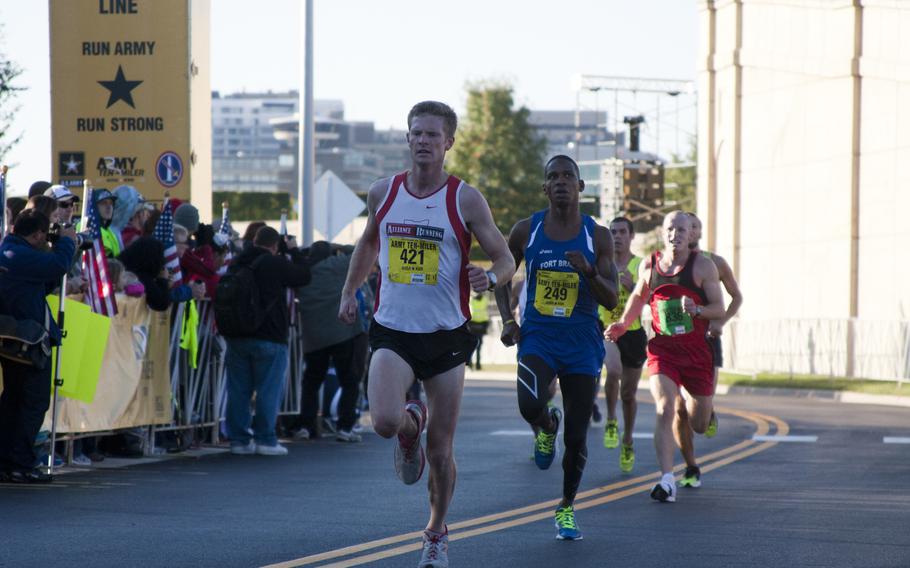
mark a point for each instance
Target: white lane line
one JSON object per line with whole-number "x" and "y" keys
{"x": 896, "y": 440}
{"x": 785, "y": 438}
{"x": 643, "y": 435}
{"x": 526, "y": 432}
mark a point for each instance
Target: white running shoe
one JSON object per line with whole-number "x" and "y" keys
{"x": 435, "y": 551}
{"x": 409, "y": 456}
{"x": 664, "y": 492}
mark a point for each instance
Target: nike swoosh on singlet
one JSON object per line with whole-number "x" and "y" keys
{"x": 431, "y": 206}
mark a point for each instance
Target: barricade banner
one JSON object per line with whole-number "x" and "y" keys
{"x": 133, "y": 386}
{"x": 83, "y": 349}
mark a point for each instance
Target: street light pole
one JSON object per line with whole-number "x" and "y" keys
{"x": 306, "y": 157}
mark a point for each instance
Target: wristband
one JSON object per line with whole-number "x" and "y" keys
{"x": 508, "y": 321}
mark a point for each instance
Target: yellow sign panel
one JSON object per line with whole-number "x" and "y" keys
{"x": 120, "y": 94}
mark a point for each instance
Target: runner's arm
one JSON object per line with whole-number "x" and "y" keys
{"x": 479, "y": 220}
{"x": 364, "y": 256}
{"x": 710, "y": 283}
{"x": 725, "y": 273}
{"x": 518, "y": 239}
{"x": 603, "y": 279}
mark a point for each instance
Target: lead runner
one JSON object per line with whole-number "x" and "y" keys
{"x": 420, "y": 226}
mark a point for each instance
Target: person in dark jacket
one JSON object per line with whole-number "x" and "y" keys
{"x": 259, "y": 362}
{"x": 327, "y": 340}
{"x": 28, "y": 271}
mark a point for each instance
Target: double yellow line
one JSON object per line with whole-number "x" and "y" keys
{"x": 361, "y": 553}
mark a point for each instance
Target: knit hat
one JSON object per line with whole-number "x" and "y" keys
{"x": 188, "y": 216}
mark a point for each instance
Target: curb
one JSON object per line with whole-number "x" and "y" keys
{"x": 844, "y": 397}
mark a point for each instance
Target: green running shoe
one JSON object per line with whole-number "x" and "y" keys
{"x": 626, "y": 458}
{"x": 692, "y": 477}
{"x": 545, "y": 445}
{"x": 566, "y": 529}
{"x": 712, "y": 426}
{"x": 611, "y": 434}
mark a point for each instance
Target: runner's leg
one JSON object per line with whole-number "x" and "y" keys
{"x": 682, "y": 433}
{"x": 628, "y": 390}
{"x": 665, "y": 393}
{"x": 535, "y": 389}
{"x": 444, "y": 394}
{"x": 614, "y": 375}
{"x": 577, "y": 399}
{"x": 390, "y": 378}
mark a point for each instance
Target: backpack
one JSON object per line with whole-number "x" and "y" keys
{"x": 238, "y": 310}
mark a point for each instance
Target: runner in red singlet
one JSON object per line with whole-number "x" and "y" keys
{"x": 683, "y": 291}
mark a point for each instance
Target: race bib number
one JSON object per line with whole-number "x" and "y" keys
{"x": 673, "y": 319}
{"x": 556, "y": 293}
{"x": 413, "y": 261}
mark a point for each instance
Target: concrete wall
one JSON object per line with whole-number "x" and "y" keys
{"x": 804, "y": 124}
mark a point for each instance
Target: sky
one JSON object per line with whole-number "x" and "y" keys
{"x": 380, "y": 57}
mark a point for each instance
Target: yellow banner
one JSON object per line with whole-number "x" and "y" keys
{"x": 120, "y": 94}
{"x": 82, "y": 350}
{"x": 134, "y": 382}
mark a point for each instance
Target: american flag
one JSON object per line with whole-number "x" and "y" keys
{"x": 164, "y": 232}
{"x": 228, "y": 232}
{"x": 94, "y": 263}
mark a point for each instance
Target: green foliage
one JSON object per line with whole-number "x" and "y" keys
{"x": 679, "y": 183}
{"x": 9, "y": 72}
{"x": 252, "y": 206}
{"x": 497, "y": 151}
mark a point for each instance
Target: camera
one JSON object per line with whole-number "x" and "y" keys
{"x": 84, "y": 240}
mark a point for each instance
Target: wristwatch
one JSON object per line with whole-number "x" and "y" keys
{"x": 698, "y": 311}
{"x": 491, "y": 276}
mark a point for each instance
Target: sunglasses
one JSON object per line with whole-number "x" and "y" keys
{"x": 65, "y": 204}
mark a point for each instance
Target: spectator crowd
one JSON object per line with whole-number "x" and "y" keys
{"x": 168, "y": 256}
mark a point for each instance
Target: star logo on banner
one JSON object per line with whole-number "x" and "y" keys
{"x": 72, "y": 166}
{"x": 120, "y": 88}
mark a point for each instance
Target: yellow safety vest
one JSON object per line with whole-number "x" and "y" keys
{"x": 608, "y": 316}
{"x": 480, "y": 308}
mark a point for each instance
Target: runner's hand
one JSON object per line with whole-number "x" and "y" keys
{"x": 715, "y": 328}
{"x": 688, "y": 305}
{"x": 511, "y": 333}
{"x": 579, "y": 262}
{"x": 347, "y": 311}
{"x": 615, "y": 331}
{"x": 477, "y": 276}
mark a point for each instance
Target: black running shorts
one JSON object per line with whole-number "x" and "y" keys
{"x": 633, "y": 348}
{"x": 428, "y": 354}
{"x": 717, "y": 349}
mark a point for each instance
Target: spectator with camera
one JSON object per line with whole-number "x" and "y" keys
{"x": 67, "y": 202}
{"x": 29, "y": 269}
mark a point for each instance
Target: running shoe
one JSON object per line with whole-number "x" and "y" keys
{"x": 611, "y": 434}
{"x": 435, "y": 551}
{"x": 596, "y": 416}
{"x": 692, "y": 477}
{"x": 409, "y": 456}
{"x": 664, "y": 492}
{"x": 712, "y": 426}
{"x": 566, "y": 528}
{"x": 626, "y": 458}
{"x": 545, "y": 445}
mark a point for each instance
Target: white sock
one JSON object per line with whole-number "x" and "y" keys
{"x": 668, "y": 479}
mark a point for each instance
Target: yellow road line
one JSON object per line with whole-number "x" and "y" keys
{"x": 540, "y": 511}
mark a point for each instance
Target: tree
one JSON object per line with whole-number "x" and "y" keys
{"x": 9, "y": 72}
{"x": 497, "y": 150}
{"x": 679, "y": 181}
